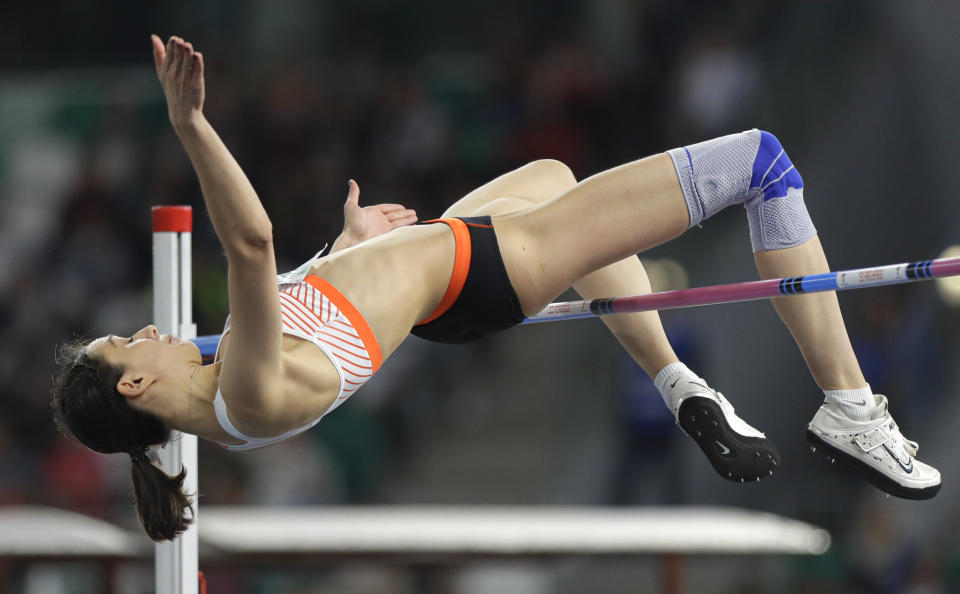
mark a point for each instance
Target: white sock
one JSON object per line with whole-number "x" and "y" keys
{"x": 667, "y": 376}
{"x": 856, "y": 404}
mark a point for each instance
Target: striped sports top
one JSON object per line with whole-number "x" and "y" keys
{"x": 312, "y": 309}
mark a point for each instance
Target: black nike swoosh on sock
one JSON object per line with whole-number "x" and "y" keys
{"x": 908, "y": 470}
{"x": 675, "y": 382}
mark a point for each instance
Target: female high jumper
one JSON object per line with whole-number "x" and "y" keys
{"x": 296, "y": 346}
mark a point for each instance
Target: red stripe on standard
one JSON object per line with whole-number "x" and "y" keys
{"x": 172, "y": 219}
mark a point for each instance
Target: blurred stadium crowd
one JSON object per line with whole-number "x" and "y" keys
{"x": 420, "y": 102}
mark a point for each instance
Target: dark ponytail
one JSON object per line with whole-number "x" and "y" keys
{"x": 86, "y": 402}
{"x": 161, "y": 502}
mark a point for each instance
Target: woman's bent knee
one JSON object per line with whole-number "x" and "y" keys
{"x": 552, "y": 171}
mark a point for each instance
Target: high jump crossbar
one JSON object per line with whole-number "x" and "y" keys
{"x": 843, "y": 280}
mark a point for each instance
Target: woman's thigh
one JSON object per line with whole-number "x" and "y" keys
{"x": 604, "y": 218}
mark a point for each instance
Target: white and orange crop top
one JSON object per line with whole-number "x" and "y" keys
{"x": 312, "y": 309}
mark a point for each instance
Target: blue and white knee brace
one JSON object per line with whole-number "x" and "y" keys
{"x": 749, "y": 168}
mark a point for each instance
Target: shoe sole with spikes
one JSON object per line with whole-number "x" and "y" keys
{"x": 735, "y": 457}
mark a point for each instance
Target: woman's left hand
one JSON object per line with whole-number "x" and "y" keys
{"x": 365, "y": 222}
{"x": 180, "y": 70}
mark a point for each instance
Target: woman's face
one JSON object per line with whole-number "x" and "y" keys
{"x": 147, "y": 353}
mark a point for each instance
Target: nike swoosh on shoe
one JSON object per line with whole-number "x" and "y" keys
{"x": 906, "y": 468}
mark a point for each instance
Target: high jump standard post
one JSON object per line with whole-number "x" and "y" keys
{"x": 176, "y": 567}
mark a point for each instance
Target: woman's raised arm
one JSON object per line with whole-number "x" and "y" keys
{"x": 235, "y": 210}
{"x": 252, "y": 366}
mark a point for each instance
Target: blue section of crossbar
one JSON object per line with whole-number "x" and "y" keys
{"x": 207, "y": 344}
{"x": 813, "y": 283}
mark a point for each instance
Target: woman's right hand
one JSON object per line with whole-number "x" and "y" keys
{"x": 366, "y": 222}
{"x": 180, "y": 70}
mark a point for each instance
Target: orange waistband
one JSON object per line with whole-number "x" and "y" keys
{"x": 359, "y": 324}
{"x": 461, "y": 265}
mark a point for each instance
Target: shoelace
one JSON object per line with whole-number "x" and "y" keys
{"x": 882, "y": 412}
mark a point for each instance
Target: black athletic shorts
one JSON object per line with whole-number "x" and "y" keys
{"x": 479, "y": 299}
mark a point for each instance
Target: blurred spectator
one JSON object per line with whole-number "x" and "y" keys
{"x": 717, "y": 79}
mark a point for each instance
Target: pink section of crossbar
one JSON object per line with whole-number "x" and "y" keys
{"x": 698, "y": 296}
{"x": 945, "y": 267}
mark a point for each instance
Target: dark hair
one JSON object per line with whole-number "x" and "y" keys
{"x": 86, "y": 401}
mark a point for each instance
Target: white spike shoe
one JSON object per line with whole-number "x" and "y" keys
{"x": 875, "y": 448}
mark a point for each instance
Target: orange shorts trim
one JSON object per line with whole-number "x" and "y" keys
{"x": 461, "y": 266}
{"x": 356, "y": 319}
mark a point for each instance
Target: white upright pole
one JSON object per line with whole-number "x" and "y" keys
{"x": 176, "y": 566}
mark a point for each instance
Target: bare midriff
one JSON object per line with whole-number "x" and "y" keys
{"x": 393, "y": 280}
